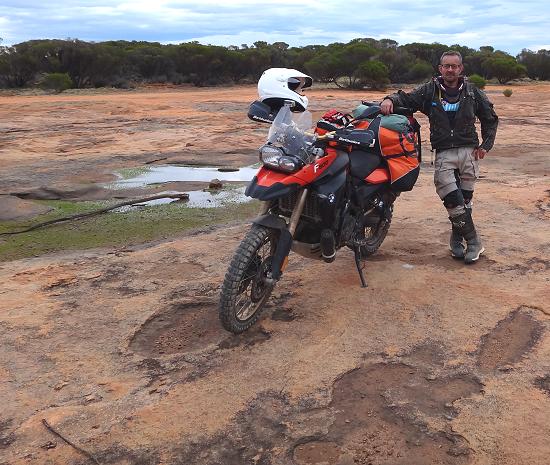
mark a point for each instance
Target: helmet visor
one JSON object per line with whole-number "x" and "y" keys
{"x": 296, "y": 84}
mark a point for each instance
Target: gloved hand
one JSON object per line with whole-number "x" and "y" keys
{"x": 337, "y": 117}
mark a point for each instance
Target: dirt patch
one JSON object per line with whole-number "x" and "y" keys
{"x": 543, "y": 383}
{"x": 253, "y": 336}
{"x": 120, "y": 455}
{"x": 283, "y": 314}
{"x": 509, "y": 341}
{"x": 252, "y": 439}
{"x": 544, "y": 203}
{"x": 6, "y": 436}
{"x": 382, "y": 414}
{"x": 181, "y": 328}
{"x": 317, "y": 452}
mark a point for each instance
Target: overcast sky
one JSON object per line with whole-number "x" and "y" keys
{"x": 507, "y": 25}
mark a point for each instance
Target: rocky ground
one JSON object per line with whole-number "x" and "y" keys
{"x": 120, "y": 349}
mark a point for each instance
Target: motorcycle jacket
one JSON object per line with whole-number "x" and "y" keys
{"x": 460, "y": 131}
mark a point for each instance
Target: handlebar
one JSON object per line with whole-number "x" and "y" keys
{"x": 405, "y": 111}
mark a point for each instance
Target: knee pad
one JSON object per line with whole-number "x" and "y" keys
{"x": 467, "y": 195}
{"x": 453, "y": 199}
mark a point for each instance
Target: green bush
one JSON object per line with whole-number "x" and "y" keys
{"x": 477, "y": 81}
{"x": 507, "y": 92}
{"x": 56, "y": 81}
{"x": 374, "y": 74}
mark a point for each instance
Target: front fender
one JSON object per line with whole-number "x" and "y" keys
{"x": 271, "y": 221}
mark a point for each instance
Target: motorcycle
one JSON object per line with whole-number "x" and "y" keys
{"x": 315, "y": 201}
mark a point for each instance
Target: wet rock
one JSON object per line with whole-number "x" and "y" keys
{"x": 14, "y": 208}
{"x": 62, "y": 192}
{"x": 215, "y": 184}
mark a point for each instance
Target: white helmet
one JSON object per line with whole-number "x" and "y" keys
{"x": 279, "y": 84}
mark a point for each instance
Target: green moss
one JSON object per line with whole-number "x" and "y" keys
{"x": 129, "y": 173}
{"x": 135, "y": 226}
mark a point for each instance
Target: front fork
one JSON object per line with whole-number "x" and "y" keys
{"x": 284, "y": 244}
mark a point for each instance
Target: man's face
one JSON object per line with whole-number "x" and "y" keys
{"x": 450, "y": 68}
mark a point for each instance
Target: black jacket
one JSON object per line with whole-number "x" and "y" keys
{"x": 443, "y": 135}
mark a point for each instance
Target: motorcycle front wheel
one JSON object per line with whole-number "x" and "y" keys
{"x": 245, "y": 289}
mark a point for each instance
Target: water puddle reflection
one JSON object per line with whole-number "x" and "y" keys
{"x": 154, "y": 175}
{"x": 163, "y": 174}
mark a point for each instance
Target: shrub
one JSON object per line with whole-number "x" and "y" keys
{"x": 477, "y": 81}
{"x": 507, "y": 92}
{"x": 56, "y": 81}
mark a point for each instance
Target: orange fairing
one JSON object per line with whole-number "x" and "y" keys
{"x": 378, "y": 176}
{"x": 267, "y": 177}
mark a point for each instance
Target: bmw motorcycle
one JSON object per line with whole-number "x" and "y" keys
{"x": 313, "y": 202}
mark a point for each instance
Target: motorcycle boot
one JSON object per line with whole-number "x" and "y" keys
{"x": 456, "y": 244}
{"x": 464, "y": 225}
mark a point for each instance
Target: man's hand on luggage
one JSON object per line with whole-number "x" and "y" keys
{"x": 386, "y": 107}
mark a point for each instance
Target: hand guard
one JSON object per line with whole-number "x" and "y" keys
{"x": 338, "y": 118}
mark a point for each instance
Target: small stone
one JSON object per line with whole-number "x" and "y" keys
{"x": 60, "y": 386}
{"x": 456, "y": 451}
{"x": 215, "y": 184}
{"x": 92, "y": 398}
{"x": 431, "y": 377}
{"x": 506, "y": 368}
{"x": 49, "y": 445}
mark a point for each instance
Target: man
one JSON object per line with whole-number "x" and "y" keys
{"x": 452, "y": 104}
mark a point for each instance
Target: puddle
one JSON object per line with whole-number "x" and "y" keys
{"x": 155, "y": 175}
{"x": 197, "y": 199}
{"x": 169, "y": 173}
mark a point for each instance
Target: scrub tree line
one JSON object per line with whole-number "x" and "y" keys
{"x": 72, "y": 63}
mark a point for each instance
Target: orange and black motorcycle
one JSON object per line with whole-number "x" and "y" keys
{"x": 320, "y": 191}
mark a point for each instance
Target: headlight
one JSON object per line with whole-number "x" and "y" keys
{"x": 274, "y": 157}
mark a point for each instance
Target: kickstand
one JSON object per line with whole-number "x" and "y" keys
{"x": 359, "y": 267}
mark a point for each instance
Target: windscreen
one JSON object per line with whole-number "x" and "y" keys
{"x": 288, "y": 131}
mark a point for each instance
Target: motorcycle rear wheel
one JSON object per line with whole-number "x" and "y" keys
{"x": 373, "y": 237}
{"x": 245, "y": 289}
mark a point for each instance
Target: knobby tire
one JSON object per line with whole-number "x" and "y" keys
{"x": 245, "y": 275}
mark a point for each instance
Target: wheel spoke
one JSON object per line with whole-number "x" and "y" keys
{"x": 245, "y": 289}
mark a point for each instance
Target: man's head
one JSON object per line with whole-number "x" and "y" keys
{"x": 450, "y": 67}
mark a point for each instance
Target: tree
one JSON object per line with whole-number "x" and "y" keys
{"x": 374, "y": 74}
{"x": 18, "y": 65}
{"x": 420, "y": 71}
{"x": 504, "y": 68}
{"x": 537, "y": 64}
{"x": 477, "y": 81}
